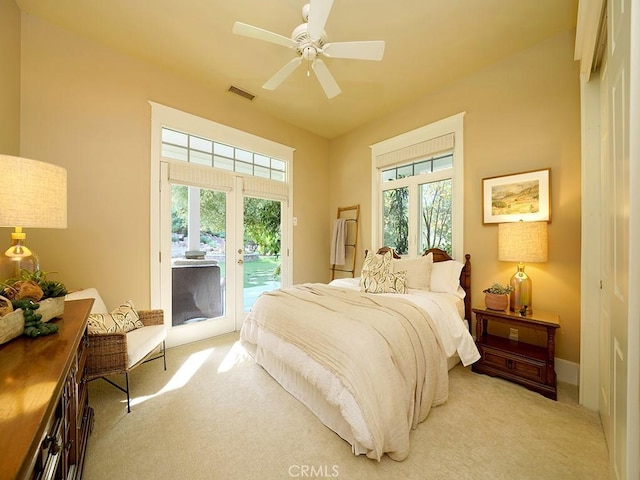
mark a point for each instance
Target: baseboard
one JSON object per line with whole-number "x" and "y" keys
{"x": 567, "y": 372}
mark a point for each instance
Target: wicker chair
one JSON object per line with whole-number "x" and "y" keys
{"x": 119, "y": 353}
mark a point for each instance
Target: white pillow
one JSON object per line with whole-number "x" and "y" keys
{"x": 418, "y": 271}
{"x": 445, "y": 276}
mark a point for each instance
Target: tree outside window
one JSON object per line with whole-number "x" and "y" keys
{"x": 435, "y": 211}
{"x": 396, "y": 219}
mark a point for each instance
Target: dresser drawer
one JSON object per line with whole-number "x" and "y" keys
{"x": 51, "y": 446}
{"x": 523, "y": 367}
{"x": 83, "y": 354}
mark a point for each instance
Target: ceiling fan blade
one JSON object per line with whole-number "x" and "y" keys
{"x": 318, "y": 14}
{"x": 240, "y": 28}
{"x": 372, "y": 50}
{"x": 282, "y": 74}
{"x": 328, "y": 83}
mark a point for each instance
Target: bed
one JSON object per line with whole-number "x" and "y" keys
{"x": 369, "y": 365}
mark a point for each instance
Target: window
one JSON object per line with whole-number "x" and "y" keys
{"x": 190, "y": 148}
{"x": 417, "y": 195}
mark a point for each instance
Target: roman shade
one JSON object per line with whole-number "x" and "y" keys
{"x": 416, "y": 151}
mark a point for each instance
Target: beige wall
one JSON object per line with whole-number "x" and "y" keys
{"x": 85, "y": 107}
{"x": 9, "y": 78}
{"x": 522, "y": 114}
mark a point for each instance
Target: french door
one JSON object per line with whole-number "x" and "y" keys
{"x": 220, "y": 249}
{"x": 220, "y": 223}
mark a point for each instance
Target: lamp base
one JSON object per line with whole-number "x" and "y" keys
{"x": 520, "y": 297}
{"x": 17, "y": 258}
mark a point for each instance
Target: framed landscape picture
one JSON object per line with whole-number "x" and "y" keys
{"x": 520, "y": 196}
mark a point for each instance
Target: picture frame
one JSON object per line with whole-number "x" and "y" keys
{"x": 519, "y": 196}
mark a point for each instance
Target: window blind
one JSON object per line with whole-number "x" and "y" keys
{"x": 425, "y": 149}
{"x": 199, "y": 176}
{"x": 266, "y": 188}
{"x": 217, "y": 179}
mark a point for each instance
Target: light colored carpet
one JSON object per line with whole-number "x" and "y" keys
{"x": 215, "y": 414}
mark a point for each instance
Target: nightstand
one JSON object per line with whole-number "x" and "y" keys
{"x": 532, "y": 366}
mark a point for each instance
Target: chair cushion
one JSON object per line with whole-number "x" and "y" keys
{"x": 123, "y": 319}
{"x": 142, "y": 341}
{"x": 98, "y": 303}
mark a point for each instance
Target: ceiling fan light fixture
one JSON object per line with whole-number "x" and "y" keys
{"x": 310, "y": 43}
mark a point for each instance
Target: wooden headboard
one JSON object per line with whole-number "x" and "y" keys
{"x": 465, "y": 274}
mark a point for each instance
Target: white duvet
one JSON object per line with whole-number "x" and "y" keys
{"x": 446, "y": 314}
{"x": 322, "y": 334}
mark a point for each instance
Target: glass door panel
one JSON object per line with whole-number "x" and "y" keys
{"x": 195, "y": 279}
{"x": 261, "y": 259}
{"x": 198, "y": 232}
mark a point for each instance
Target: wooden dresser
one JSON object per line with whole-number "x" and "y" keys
{"x": 45, "y": 417}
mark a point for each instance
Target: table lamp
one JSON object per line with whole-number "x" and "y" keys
{"x": 34, "y": 195}
{"x": 522, "y": 242}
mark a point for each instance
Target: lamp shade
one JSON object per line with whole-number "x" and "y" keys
{"x": 523, "y": 242}
{"x": 33, "y": 193}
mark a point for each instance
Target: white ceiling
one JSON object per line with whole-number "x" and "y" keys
{"x": 429, "y": 43}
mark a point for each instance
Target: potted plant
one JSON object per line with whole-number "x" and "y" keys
{"x": 27, "y": 303}
{"x": 497, "y": 296}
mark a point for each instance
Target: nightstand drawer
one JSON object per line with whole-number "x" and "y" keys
{"x": 520, "y": 366}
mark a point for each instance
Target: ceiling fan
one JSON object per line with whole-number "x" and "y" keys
{"x": 310, "y": 43}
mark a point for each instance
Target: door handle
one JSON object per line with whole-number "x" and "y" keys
{"x": 240, "y": 261}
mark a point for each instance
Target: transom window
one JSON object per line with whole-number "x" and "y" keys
{"x": 202, "y": 151}
{"x": 418, "y": 168}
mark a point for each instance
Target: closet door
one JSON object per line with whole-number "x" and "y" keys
{"x": 616, "y": 291}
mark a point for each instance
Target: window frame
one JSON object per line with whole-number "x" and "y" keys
{"x": 450, "y": 125}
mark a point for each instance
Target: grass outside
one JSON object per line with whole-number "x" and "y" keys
{"x": 259, "y": 272}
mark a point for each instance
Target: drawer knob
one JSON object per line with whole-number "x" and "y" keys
{"x": 510, "y": 364}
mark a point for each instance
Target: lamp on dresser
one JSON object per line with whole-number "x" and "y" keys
{"x": 522, "y": 242}
{"x": 33, "y": 195}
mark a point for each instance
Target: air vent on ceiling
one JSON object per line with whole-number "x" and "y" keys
{"x": 242, "y": 93}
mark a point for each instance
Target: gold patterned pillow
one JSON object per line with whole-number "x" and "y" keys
{"x": 375, "y": 269}
{"x": 123, "y": 319}
{"x": 396, "y": 282}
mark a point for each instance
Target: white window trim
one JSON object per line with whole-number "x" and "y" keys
{"x": 452, "y": 124}
{"x": 164, "y": 116}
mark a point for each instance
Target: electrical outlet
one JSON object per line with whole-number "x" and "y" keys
{"x": 513, "y": 334}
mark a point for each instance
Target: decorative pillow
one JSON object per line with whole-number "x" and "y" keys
{"x": 374, "y": 272}
{"x": 396, "y": 282}
{"x": 418, "y": 271}
{"x": 123, "y": 319}
{"x": 445, "y": 276}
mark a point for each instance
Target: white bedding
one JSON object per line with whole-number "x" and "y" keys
{"x": 447, "y": 312}
{"x": 300, "y": 371}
